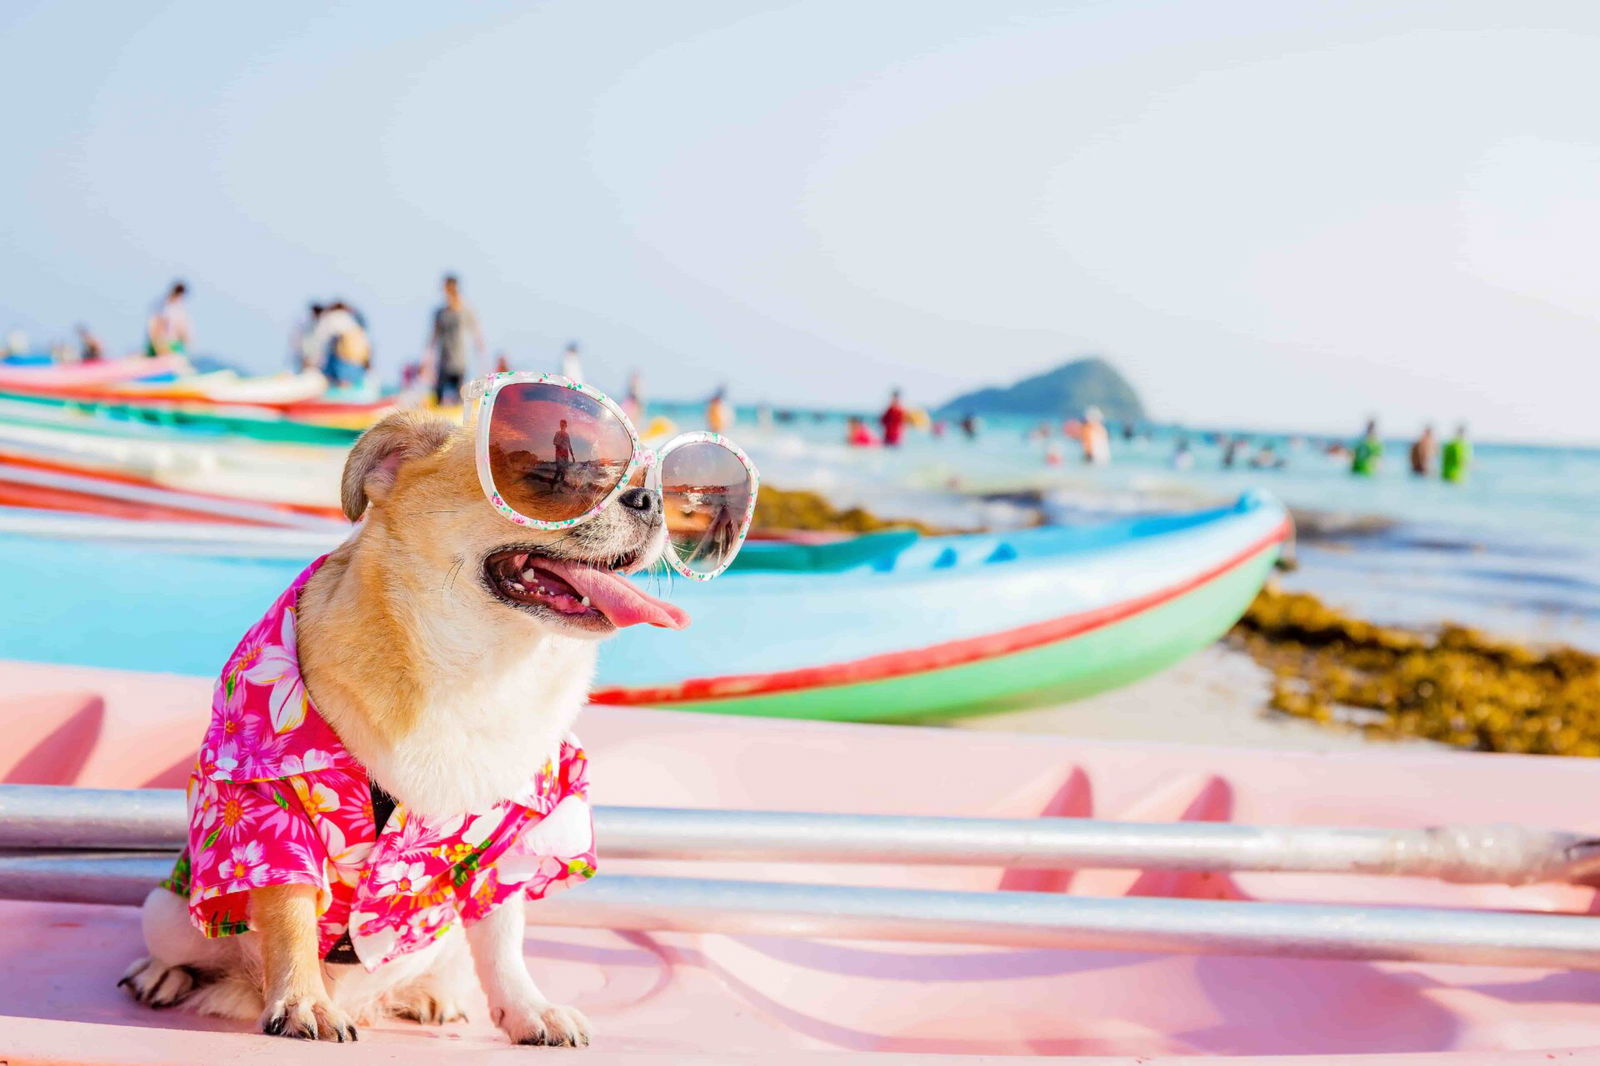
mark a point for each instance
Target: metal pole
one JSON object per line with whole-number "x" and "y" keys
{"x": 34, "y": 816}
{"x": 1010, "y": 919}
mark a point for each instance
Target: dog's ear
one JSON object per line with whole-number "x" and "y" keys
{"x": 374, "y": 462}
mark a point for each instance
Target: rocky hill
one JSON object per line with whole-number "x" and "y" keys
{"x": 1060, "y": 393}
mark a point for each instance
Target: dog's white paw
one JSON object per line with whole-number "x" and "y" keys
{"x": 158, "y": 985}
{"x": 307, "y": 1017}
{"x": 535, "y": 1022}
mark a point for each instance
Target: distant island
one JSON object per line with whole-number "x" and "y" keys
{"x": 1060, "y": 393}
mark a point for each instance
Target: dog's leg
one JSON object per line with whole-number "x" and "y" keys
{"x": 515, "y": 1003}
{"x": 298, "y": 1004}
{"x": 181, "y": 961}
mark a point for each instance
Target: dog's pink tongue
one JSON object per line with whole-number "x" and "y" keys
{"x": 620, "y": 600}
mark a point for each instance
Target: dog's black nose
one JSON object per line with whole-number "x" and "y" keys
{"x": 642, "y": 500}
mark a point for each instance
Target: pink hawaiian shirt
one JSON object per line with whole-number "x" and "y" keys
{"x": 276, "y": 799}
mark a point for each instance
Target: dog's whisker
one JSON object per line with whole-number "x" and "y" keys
{"x": 455, "y": 571}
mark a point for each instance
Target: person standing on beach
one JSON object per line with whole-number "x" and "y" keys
{"x": 893, "y": 420}
{"x": 167, "y": 330}
{"x": 1423, "y": 452}
{"x": 342, "y": 346}
{"x": 571, "y": 365}
{"x": 1457, "y": 456}
{"x": 633, "y": 403}
{"x": 1368, "y": 450}
{"x": 90, "y": 350}
{"x": 455, "y": 330}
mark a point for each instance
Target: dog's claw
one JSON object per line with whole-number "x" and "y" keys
{"x": 159, "y": 986}
{"x": 544, "y": 1025}
{"x": 307, "y": 1018}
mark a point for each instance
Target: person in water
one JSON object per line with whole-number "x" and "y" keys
{"x": 456, "y": 340}
{"x": 1423, "y": 451}
{"x": 970, "y": 425}
{"x": 1096, "y": 441}
{"x": 893, "y": 420}
{"x": 719, "y": 416}
{"x": 857, "y": 435}
{"x": 167, "y": 332}
{"x": 1457, "y": 456}
{"x": 1368, "y": 450}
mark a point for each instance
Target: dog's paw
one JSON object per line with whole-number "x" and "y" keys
{"x": 307, "y": 1017}
{"x": 426, "y": 1008}
{"x": 536, "y": 1022}
{"x": 158, "y": 985}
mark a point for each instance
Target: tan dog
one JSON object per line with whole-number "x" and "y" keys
{"x": 448, "y": 677}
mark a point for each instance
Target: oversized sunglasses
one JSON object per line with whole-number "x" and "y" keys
{"x": 554, "y": 452}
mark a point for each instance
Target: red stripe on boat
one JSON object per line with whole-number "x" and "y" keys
{"x": 933, "y": 657}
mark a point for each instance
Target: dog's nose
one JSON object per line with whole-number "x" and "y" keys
{"x": 642, "y": 500}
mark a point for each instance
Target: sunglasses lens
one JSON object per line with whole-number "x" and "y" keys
{"x": 554, "y": 453}
{"x": 705, "y": 491}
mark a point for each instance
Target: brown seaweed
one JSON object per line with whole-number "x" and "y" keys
{"x": 1455, "y": 686}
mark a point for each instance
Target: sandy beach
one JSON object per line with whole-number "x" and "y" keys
{"x": 1217, "y": 696}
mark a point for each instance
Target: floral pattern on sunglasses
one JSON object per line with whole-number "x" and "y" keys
{"x": 480, "y": 397}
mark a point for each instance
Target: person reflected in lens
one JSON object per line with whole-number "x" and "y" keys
{"x": 563, "y": 446}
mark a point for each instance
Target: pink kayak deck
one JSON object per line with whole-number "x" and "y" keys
{"x": 712, "y": 998}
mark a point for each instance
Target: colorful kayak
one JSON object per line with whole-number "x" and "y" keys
{"x": 85, "y": 375}
{"x": 915, "y": 628}
{"x": 298, "y": 423}
{"x": 667, "y": 979}
{"x": 947, "y": 626}
{"x": 227, "y": 387}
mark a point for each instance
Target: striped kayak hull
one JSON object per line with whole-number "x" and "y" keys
{"x": 1073, "y": 613}
{"x": 51, "y": 375}
{"x": 301, "y": 422}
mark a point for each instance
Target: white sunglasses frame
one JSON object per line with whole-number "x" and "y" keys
{"x": 483, "y": 391}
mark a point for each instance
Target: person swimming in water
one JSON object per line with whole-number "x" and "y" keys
{"x": 893, "y": 420}
{"x": 1457, "y": 456}
{"x": 1368, "y": 450}
{"x": 1423, "y": 451}
{"x": 1096, "y": 441}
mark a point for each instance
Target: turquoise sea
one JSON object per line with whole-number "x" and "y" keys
{"x": 1514, "y": 550}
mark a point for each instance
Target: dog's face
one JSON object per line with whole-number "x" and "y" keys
{"x": 429, "y": 517}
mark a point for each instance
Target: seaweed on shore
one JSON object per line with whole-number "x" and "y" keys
{"x": 780, "y": 509}
{"x": 1457, "y": 686}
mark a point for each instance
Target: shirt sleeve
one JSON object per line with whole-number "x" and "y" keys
{"x": 244, "y": 836}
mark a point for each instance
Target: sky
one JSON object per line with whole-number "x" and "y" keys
{"x": 1266, "y": 214}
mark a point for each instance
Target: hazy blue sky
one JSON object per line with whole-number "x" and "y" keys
{"x": 1274, "y": 213}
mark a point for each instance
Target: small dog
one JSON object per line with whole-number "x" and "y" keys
{"x": 389, "y": 760}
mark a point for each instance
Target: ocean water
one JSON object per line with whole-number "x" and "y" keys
{"x": 1513, "y": 551}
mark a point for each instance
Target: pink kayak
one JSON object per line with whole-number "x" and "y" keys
{"x": 103, "y": 372}
{"x": 662, "y": 989}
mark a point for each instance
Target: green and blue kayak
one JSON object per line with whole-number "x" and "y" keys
{"x": 942, "y": 627}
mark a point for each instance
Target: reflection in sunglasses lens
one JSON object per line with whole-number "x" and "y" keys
{"x": 705, "y": 492}
{"x": 554, "y": 453}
